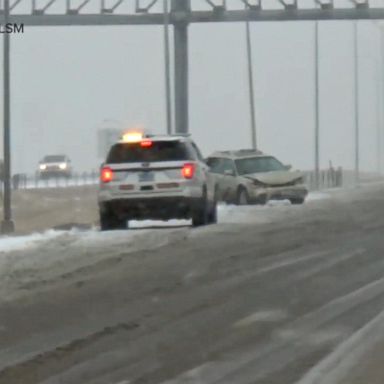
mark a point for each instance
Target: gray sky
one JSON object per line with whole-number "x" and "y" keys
{"x": 66, "y": 81}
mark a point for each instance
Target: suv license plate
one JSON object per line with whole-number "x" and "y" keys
{"x": 146, "y": 176}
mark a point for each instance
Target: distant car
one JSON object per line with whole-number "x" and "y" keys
{"x": 251, "y": 177}
{"x": 55, "y": 166}
{"x": 155, "y": 177}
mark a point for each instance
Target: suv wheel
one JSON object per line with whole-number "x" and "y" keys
{"x": 242, "y": 196}
{"x": 200, "y": 215}
{"x": 297, "y": 200}
{"x": 109, "y": 221}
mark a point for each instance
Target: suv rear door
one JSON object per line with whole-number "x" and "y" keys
{"x": 148, "y": 162}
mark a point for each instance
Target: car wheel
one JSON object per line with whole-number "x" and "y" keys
{"x": 297, "y": 200}
{"x": 200, "y": 215}
{"x": 242, "y": 196}
{"x": 109, "y": 221}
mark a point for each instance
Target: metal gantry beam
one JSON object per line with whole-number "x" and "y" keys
{"x": 325, "y": 4}
{"x": 289, "y": 5}
{"x": 111, "y": 9}
{"x": 145, "y": 12}
{"x": 144, "y": 8}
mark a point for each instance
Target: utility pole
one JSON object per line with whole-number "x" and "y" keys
{"x": 167, "y": 68}
{"x": 7, "y": 225}
{"x": 181, "y": 8}
{"x": 356, "y": 81}
{"x": 378, "y": 119}
{"x": 250, "y": 82}
{"x": 317, "y": 110}
{"x": 380, "y": 79}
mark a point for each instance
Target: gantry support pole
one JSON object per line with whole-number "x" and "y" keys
{"x": 181, "y": 9}
{"x": 7, "y": 225}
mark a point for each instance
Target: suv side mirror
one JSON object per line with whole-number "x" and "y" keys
{"x": 288, "y": 167}
{"x": 229, "y": 172}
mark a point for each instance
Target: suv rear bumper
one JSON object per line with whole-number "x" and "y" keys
{"x": 158, "y": 208}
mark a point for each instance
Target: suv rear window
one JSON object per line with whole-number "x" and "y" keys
{"x": 158, "y": 151}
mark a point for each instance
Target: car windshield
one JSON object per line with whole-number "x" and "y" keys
{"x": 54, "y": 159}
{"x": 158, "y": 151}
{"x": 258, "y": 164}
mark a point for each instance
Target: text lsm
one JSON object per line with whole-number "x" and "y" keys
{"x": 11, "y": 28}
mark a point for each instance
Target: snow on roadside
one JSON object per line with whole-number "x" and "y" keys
{"x": 56, "y": 257}
{"x": 54, "y": 253}
{"x": 136, "y": 224}
{"x": 17, "y": 243}
{"x": 314, "y": 196}
{"x": 226, "y": 214}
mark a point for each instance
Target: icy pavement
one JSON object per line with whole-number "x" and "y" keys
{"x": 226, "y": 214}
{"x": 264, "y": 296}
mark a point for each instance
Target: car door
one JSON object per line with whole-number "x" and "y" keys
{"x": 216, "y": 169}
{"x": 228, "y": 181}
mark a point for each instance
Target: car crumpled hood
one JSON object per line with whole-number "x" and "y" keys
{"x": 275, "y": 177}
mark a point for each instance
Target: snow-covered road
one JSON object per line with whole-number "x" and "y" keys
{"x": 280, "y": 294}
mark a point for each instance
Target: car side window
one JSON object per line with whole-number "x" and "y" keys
{"x": 215, "y": 165}
{"x": 228, "y": 165}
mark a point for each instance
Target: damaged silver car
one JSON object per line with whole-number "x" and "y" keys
{"x": 252, "y": 177}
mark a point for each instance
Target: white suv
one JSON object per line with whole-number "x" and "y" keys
{"x": 155, "y": 177}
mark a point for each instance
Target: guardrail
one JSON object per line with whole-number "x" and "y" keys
{"x": 23, "y": 181}
{"x": 329, "y": 178}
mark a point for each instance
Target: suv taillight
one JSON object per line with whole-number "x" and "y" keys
{"x": 106, "y": 175}
{"x": 188, "y": 170}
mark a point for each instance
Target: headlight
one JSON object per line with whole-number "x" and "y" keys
{"x": 42, "y": 167}
{"x": 258, "y": 183}
{"x": 63, "y": 166}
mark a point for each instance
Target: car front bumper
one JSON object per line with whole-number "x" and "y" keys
{"x": 279, "y": 193}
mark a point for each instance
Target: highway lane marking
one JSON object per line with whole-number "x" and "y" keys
{"x": 318, "y": 337}
{"x": 261, "y": 316}
{"x": 302, "y": 328}
{"x": 339, "y": 362}
{"x": 301, "y": 259}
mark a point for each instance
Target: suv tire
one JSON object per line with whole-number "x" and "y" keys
{"x": 297, "y": 200}
{"x": 109, "y": 221}
{"x": 200, "y": 215}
